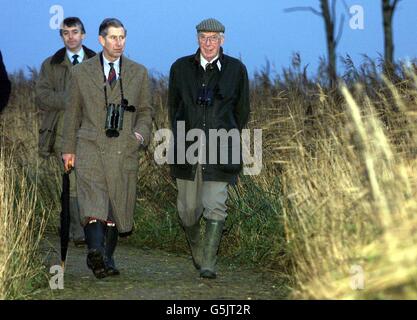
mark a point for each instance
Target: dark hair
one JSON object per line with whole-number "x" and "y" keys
{"x": 110, "y": 22}
{"x": 72, "y": 22}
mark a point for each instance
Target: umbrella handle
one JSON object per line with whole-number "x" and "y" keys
{"x": 69, "y": 167}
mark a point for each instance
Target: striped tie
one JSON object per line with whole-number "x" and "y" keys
{"x": 112, "y": 76}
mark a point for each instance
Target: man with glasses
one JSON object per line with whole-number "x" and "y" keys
{"x": 207, "y": 91}
{"x": 107, "y": 119}
{"x": 50, "y": 94}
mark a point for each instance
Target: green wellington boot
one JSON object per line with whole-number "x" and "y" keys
{"x": 193, "y": 236}
{"x": 214, "y": 230}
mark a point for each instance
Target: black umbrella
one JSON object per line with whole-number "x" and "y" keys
{"x": 65, "y": 217}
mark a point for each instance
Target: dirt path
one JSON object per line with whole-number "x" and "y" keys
{"x": 153, "y": 274}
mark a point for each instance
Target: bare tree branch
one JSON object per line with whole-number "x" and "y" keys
{"x": 329, "y": 16}
{"x": 388, "y": 10}
{"x": 394, "y": 4}
{"x": 333, "y": 17}
{"x": 311, "y": 9}
{"x": 340, "y": 31}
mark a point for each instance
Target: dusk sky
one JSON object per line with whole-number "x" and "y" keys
{"x": 159, "y": 32}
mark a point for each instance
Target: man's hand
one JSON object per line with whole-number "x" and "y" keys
{"x": 69, "y": 161}
{"x": 139, "y": 137}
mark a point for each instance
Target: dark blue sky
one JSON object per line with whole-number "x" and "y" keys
{"x": 161, "y": 31}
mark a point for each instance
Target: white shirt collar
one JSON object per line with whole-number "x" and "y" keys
{"x": 106, "y": 65}
{"x": 115, "y": 63}
{"x": 203, "y": 62}
{"x": 80, "y": 54}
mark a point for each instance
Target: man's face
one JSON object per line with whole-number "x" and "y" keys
{"x": 113, "y": 43}
{"x": 72, "y": 37}
{"x": 210, "y": 43}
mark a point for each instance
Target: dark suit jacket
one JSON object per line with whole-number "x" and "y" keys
{"x": 5, "y": 86}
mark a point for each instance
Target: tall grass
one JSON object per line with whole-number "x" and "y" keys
{"x": 349, "y": 192}
{"x": 334, "y": 205}
{"x": 24, "y": 206}
{"x": 21, "y": 229}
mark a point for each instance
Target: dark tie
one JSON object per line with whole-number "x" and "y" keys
{"x": 112, "y": 76}
{"x": 75, "y": 60}
{"x": 209, "y": 66}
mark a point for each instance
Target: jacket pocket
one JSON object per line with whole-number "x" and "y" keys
{"x": 132, "y": 144}
{"x": 47, "y": 135}
{"x": 230, "y": 157}
{"x": 131, "y": 161}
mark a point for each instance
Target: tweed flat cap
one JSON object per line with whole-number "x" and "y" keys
{"x": 210, "y": 25}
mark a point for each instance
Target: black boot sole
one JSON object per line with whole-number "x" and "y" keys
{"x": 95, "y": 261}
{"x": 207, "y": 274}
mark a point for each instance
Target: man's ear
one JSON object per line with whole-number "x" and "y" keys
{"x": 82, "y": 36}
{"x": 101, "y": 40}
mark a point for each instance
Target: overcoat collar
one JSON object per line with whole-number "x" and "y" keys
{"x": 60, "y": 55}
{"x": 196, "y": 57}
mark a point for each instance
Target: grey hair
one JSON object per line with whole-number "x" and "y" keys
{"x": 110, "y": 22}
{"x": 221, "y": 34}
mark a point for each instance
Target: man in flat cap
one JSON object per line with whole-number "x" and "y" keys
{"x": 208, "y": 92}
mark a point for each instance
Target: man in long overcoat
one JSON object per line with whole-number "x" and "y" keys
{"x": 50, "y": 92}
{"x": 105, "y": 153}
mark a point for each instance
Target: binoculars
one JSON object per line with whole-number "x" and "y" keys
{"x": 205, "y": 97}
{"x": 114, "y": 117}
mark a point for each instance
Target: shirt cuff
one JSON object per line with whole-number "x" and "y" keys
{"x": 139, "y": 137}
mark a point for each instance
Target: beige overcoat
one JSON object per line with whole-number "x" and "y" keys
{"x": 106, "y": 168}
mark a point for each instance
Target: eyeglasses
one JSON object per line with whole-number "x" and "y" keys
{"x": 204, "y": 38}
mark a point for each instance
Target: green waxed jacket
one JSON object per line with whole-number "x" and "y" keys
{"x": 229, "y": 109}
